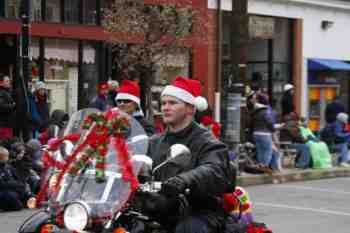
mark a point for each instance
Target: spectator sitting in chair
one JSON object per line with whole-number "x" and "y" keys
{"x": 320, "y": 155}
{"x": 291, "y": 132}
{"x": 337, "y": 139}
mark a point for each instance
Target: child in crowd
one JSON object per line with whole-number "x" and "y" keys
{"x": 13, "y": 193}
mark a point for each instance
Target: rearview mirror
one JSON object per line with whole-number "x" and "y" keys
{"x": 179, "y": 149}
{"x": 175, "y": 151}
{"x": 142, "y": 165}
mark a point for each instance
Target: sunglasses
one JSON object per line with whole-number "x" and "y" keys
{"x": 124, "y": 101}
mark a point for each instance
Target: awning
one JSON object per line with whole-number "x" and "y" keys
{"x": 326, "y": 64}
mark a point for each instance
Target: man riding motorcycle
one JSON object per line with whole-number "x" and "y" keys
{"x": 208, "y": 176}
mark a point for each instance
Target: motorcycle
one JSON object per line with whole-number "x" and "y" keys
{"x": 85, "y": 192}
{"x": 101, "y": 179}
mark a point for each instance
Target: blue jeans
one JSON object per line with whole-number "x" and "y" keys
{"x": 342, "y": 148}
{"x": 305, "y": 155}
{"x": 10, "y": 201}
{"x": 265, "y": 154}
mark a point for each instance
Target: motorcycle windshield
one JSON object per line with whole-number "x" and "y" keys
{"x": 76, "y": 121}
{"x": 107, "y": 197}
{"x": 137, "y": 139}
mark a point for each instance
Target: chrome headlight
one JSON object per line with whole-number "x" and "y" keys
{"x": 76, "y": 216}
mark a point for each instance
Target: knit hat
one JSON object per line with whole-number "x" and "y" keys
{"x": 187, "y": 90}
{"x": 34, "y": 144}
{"x": 40, "y": 85}
{"x": 129, "y": 90}
{"x": 343, "y": 117}
{"x": 113, "y": 84}
{"x": 288, "y": 87}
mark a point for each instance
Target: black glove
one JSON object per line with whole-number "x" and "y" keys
{"x": 157, "y": 205}
{"x": 173, "y": 186}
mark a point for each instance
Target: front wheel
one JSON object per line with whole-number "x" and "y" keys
{"x": 34, "y": 223}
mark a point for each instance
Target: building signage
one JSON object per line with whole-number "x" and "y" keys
{"x": 261, "y": 27}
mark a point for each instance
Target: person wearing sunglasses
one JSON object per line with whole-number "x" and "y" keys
{"x": 128, "y": 100}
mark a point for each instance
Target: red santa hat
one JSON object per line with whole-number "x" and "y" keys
{"x": 129, "y": 90}
{"x": 187, "y": 90}
{"x": 103, "y": 86}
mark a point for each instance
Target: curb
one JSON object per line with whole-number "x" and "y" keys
{"x": 293, "y": 176}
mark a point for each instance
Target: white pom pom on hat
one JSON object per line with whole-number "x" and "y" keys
{"x": 187, "y": 90}
{"x": 201, "y": 103}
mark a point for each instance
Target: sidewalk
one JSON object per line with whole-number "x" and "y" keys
{"x": 292, "y": 175}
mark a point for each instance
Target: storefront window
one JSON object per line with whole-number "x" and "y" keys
{"x": 61, "y": 73}
{"x": 36, "y": 10}
{"x": 71, "y": 11}
{"x": 9, "y": 8}
{"x": 2, "y": 8}
{"x": 53, "y": 10}
{"x": 60, "y": 56}
{"x": 34, "y": 57}
{"x": 269, "y": 57}
{"x": 89, "y": 12}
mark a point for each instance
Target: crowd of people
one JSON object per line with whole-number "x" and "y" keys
{"x": 20, "y": 124}
{"x": 267, "y": 131}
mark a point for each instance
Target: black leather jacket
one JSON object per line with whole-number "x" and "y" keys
{"x": 9, "y": 181}
{"x": 7, "y": 108}
{"x": 209, "y": 174}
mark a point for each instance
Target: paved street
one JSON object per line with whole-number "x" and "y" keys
{"x": 321, "y": 206}
{"x": 10, "y": 221}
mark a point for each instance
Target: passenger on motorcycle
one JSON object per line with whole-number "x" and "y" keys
{"x": 128, "y": 100}
{"x": 208, "y": 176}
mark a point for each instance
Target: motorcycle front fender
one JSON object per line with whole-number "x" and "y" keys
{"x": 33, "y": 223}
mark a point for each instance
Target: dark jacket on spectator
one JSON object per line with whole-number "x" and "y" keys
{"x": 334, "y": 133}
{"x": 7, "y": 109}
{"x": 9, "y": 181}
{"x": 287, "y": 103}
{"x": 261, "y": 120}
{"x": 100, "y": 102}
{"x": 43, "y": 109}
{"x": 332, "y": 110}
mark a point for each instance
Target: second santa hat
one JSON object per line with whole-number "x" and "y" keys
{"x": 187, "y": 90}
{"x": 129, "y": 90}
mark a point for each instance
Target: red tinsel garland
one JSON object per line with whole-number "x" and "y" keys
{"x": 107, "y": 125}
{"x": 212, "y": 125}
{"x": 124, "y": 159}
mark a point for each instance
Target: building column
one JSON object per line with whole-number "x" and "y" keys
{"x": 300, "y": 96}
{"x": 200, "y": 54}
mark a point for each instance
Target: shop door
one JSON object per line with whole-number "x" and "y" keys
{"x": 8, "y": 51}
{"x": 319, "y": 97}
